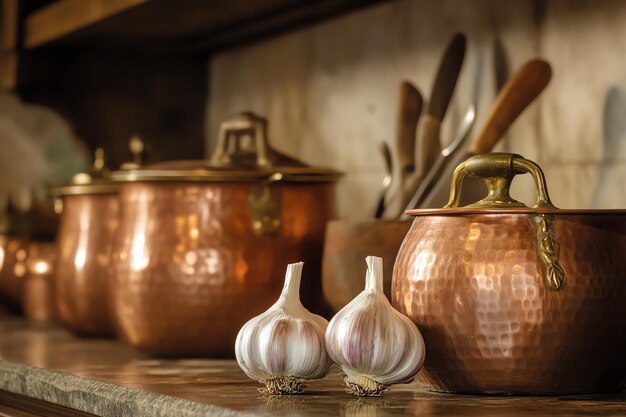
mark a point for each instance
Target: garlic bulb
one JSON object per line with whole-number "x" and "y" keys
{"x": 284, "y": 346}
{"x": 375, "y": 345}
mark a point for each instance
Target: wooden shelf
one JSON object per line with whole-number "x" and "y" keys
{"x": 64, "y": 17}
{"x": 8, "y": 44}
{"x": 182, "y": 25}
{"x": 115, "y": 68}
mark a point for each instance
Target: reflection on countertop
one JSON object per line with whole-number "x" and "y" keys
{"x": 218, "y": 387}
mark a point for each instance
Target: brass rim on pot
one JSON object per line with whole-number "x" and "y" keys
{"x": 97, "y": 180}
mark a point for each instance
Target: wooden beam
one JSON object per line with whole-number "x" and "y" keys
{"x": 8, "y": 46}
{"x": 8, "y": 70}
{"x": 66, "y": 16}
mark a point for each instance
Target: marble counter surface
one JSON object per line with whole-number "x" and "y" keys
{"x": 106, "y": 378}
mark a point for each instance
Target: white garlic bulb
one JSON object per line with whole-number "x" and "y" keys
{"x": 375, "y": 345}
{"x": 284, "y": 346}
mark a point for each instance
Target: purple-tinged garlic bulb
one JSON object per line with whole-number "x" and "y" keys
{"x": 284, "y": 347}
{"x": 375, "y": 345}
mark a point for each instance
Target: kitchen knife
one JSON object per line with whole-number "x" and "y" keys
{"x": 442, "y": 161}
{"x": 443, "y": 87}
{"x": 519, "y": 91}
{"x": 409, "y": 109}
{"x": 428, "y": 138}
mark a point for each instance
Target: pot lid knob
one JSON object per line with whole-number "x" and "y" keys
{"x": 137, "y": 149}
{"x": 97, "y": 173}
{"x": 498, "y": 170}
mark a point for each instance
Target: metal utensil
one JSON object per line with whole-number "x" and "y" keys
{"x": 444, "y": 158}
{"x": 380, "y": 206}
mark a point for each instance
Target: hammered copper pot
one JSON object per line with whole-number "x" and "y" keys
{"x": 515, "y": 300}
{"x": 202, "y": 245}
{"x": 88, "y": 222}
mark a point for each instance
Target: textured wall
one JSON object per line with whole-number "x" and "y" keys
{"x": 330, "y": 90}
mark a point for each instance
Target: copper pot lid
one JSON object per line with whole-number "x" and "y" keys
{"x": 498, "y": 170}
{"x": 96, "y": 180}
{"x": 243, "y": 153}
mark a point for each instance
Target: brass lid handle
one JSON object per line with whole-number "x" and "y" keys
{"x": 498, "y": 170}
{"x": 244, "y": 124}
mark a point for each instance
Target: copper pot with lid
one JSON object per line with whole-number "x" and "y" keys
{"x": 511, "y": 299}
{"x": 88, "y": 220}
{"x": 202, "y": 245}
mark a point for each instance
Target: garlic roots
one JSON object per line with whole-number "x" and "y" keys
{"x": 375, "y": 345}
{"x": 284, "y": 347}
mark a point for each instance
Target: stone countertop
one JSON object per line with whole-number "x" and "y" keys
{"x": 107, "y": 378}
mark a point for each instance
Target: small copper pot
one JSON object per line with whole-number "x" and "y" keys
{"x": 13, "y": 253}
{"x": 38, "y": 296}
{"x": 515, "y": 300}
{"x": 347, "y": 244}
{"x": 89, "y": 218}
{"x": 202, "y": 246}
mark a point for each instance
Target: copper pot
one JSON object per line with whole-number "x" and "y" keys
{"x": 89, "y": 218}
{"x": 202, "y": 246}
{"x": 38, "y": 296}
{"x": 347, "y": 244}
{"x": 13, "y": 255}
{"x": 515, "y": 300}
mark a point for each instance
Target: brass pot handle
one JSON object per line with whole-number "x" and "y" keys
{"x": 238, "y": 126}
{"x": 498, "y": 170}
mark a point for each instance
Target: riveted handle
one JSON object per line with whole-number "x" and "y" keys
{"x": 237, "y": 127}
{"x": 498, "y": 170}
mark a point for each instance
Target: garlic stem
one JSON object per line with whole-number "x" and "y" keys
{"x": 374, "y": 277}
{"x": 290, "y": 295}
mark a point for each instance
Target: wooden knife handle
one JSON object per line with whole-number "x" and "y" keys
{"x": 409, "y": 108}
{"x": 518, "y": 92}
{"x": 429, "y": 143}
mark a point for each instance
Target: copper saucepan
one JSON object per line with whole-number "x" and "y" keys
{"x": 511, "y": 299}
{"x": 88, "y": 220}
{"x": 202, "y": 245}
